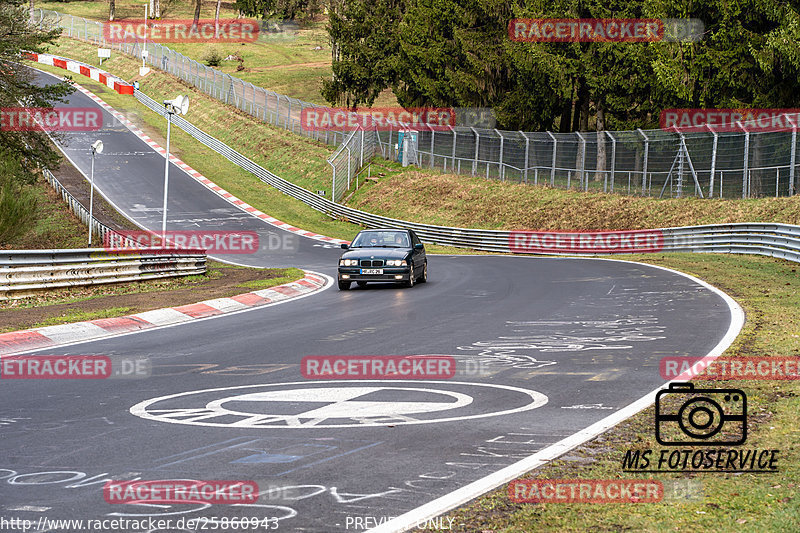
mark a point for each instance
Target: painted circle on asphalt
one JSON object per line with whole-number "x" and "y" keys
{"x": 338, "y": 404}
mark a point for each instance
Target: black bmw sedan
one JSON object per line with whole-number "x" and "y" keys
{"x": 383, "y": 255}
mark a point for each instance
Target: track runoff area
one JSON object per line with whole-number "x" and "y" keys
{"x": 377, "y": 408}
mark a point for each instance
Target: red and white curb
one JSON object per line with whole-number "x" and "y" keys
{"x": 52, "y": 336}
{"x": 183, "y": 166}
{"x": 113, "y": 82}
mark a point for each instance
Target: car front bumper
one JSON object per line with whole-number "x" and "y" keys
{"x": 389, "y": 274}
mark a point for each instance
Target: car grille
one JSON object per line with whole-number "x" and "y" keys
{"x": 376, "y": 263}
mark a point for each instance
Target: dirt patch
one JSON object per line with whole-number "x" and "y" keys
{"x": 135, "y": 298}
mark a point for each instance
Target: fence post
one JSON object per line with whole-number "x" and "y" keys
{"x": 613, "y": 160}
{"x": 527, "y": 152}
{"x": 348, "y": 169}
{"x": 713, "y": 161}
{"x": 583, "y": 161}
{"x": 553, "y": 161}
{"x": 500, "y": 170}
{"x": 644, "y": 160}
{"x": 792, "y": 157}
{"x": 477, "y": 143}
{"x": 433, "y": 138}
{"x": 361, "y": 159}
{"x": 455, "y": 140}
{"x": 745, "y": 177}
{"x": 333, "y": 183}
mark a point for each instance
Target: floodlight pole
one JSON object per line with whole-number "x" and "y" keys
{"x": 97, "y": 146}
{"x": 179, "y": 106}
{"x": 166, "y": 179}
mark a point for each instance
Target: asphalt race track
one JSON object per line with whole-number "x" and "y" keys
{"x": 546, "y": 347}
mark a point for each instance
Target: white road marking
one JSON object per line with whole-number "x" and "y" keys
{"x": 347, "y": 404}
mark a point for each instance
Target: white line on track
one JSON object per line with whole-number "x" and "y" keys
{"x": 471, "y": 491}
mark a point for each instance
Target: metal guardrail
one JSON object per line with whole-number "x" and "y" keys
{"x": 775, "y": 240}
{"x": 98, "y": 228}
{"x": 26, "y": 272}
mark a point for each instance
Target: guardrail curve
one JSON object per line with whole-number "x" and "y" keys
{"x": 772, "y": 239}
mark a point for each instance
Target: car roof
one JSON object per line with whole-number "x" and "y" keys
{"x": 383, "y": 229}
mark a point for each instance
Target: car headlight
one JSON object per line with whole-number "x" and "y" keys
{"x": 394, "y": 262}
{"x": 348, "y": 262}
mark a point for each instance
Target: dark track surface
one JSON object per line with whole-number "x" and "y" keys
{"x": 581, "y": 332}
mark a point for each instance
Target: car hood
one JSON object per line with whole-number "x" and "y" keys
{"x": 376, "y": 253}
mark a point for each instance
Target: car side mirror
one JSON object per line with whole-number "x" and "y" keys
{"x": 419, "y": 246}
{"x": 345, "y": 246}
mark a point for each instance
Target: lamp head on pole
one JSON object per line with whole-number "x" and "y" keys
{"x": 179, "y": 105}
{"x": 97, "y": 147}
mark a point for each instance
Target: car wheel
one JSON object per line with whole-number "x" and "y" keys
{"x": 361, "y": 283}
{"x": 424, "y": 277}
{"x": 344, "y": 285}
{"x": 411, "y": 277}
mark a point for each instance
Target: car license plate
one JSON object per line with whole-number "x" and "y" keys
{"x": 372, "y": 271}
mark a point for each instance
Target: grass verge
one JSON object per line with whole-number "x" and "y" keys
{"x": 292, "y": 62}
{"x": 54, "y": 225}
{"x": 767, "y": 289}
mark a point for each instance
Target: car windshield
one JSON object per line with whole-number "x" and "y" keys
{"x": 381, "y": 239}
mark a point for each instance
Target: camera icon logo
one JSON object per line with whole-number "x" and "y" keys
{"x": 700, "y": 417}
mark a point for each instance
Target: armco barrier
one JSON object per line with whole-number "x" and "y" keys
{"x": 776, "y": 240}
{"x": 25, "y": 272}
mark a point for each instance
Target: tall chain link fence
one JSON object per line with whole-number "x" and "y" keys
{"x": 359, "y": 147}
{"x": 269, "y": 106}
{"x": 657, "y": 163}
